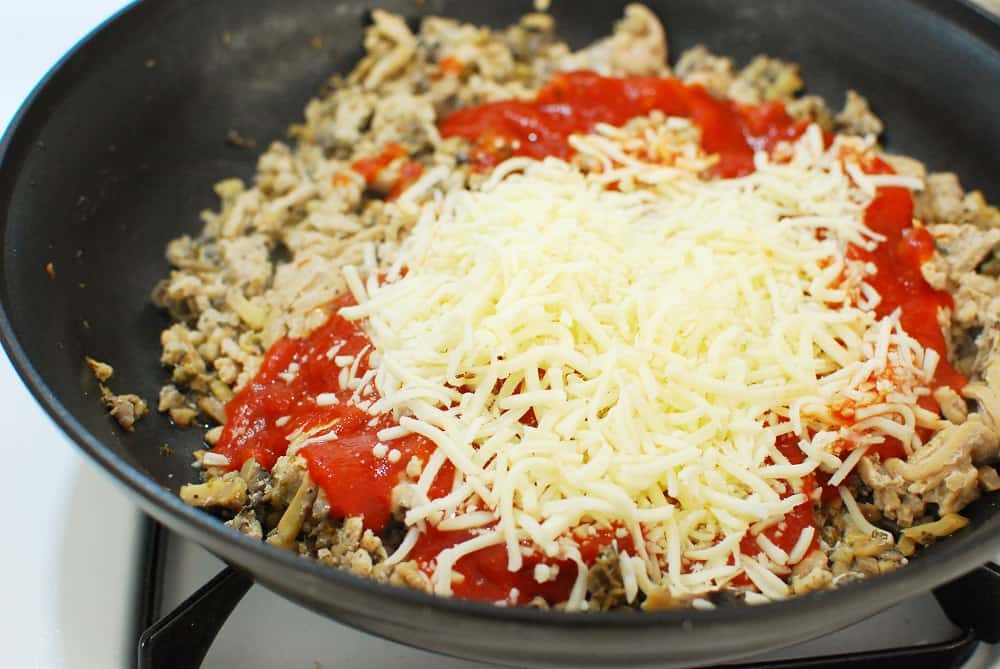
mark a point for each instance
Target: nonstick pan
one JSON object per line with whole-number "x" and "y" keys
{"x": 115, "y": 152}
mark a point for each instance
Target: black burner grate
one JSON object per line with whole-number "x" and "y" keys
{"x": 183, "y": 637}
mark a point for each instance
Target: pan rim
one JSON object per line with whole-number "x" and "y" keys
{"x": 893, "y": 587}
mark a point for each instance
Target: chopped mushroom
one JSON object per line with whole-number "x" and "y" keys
{"x": 392, "y": 46}
{"x": 929, "y": 532}
{"x": 183, "y": 416}
{"x": 812, "y": 573}
{"x": 989, "y": 479}
{"x": 213, "y": 408}
{"x": 953, "y": 407}
{"x": 663, "y": 600}
{"x": 126, "y": 408}
{"x": 228, "y": 491}
{"x": 604, "y": 581}
{"x": 246, "y": 522}
{"x": 284, "y": 535}
{"x": 939, "y": 472}
{"x": 102, "y": 370}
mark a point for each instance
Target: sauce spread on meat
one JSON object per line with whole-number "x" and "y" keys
{"x": 899, "y": 280}
{"x": 485, "y": 573}
{"x": 297, "y": 389}
{"x": 785, "y": 534}
{"x": 574, "y": 102}
{"x": 372, "y": 168}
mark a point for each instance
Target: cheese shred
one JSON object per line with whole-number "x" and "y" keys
{"x": 627, "y": 358}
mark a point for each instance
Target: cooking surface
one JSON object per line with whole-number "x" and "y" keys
{"x": 71, "y": 561}
{"x": 306, "y": 638}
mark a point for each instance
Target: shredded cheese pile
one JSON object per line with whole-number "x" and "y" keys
{"x": 587, "y": 358}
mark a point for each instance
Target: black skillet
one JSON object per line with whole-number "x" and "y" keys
{"x": 115, "y": 153}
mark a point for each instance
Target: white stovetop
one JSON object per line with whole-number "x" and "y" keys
{"x": 68, "y": 564}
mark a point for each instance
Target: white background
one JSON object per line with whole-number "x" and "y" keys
{"x": 66, "y": 556}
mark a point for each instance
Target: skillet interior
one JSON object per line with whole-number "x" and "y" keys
{"x": 116, "y": 153}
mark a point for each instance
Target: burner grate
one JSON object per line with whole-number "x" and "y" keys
{"x": 182, "y": 638}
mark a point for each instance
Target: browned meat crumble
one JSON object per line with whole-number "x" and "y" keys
{"x": 127, "y": 408}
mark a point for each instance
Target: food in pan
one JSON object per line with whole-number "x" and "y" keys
{"x": 569, "y": 329}
{"x": 125, "y": 408}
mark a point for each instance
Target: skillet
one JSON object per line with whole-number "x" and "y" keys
{"x": 114, "y": 153}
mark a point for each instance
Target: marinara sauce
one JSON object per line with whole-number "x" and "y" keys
{"x": 898, "y": 278}
{"x": 372, "y": 168}
{"x": 574, "y": 102}
{"x": 297, "y": 390}
{"x": 785, "y": 534}
{"x": 485, "y": 575}
{"x": 283, "y": 399}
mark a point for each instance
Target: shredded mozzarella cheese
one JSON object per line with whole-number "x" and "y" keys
{"x": 659, "y": 337}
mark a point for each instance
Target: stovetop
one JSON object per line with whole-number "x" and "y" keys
{"x": 308, "y": 640}
{"x": 72, "y": 561}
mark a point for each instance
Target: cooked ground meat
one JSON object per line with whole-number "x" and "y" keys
{"x": 102, "y": 370}
{"x": 856, "y": 117}
{"x": 765, "y": 79}
{"x": 269, "y": 260}
{"x": 126, "y": 409}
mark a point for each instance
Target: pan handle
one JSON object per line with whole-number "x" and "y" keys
{"x": 182, "y": 637}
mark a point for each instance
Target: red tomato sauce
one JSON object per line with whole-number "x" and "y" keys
{"x": 899, "y": 280}
{"x": 574, "y": 102}
{"x": 279, "y": 393}
{"x": 901, "y": 284}
{"x": 371, "y": 169}
{"x": 485, "y": 575}
{"x": 451, "y": 65}
{"x": 785, "y": 534}
{"x": 357, "y": 482}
